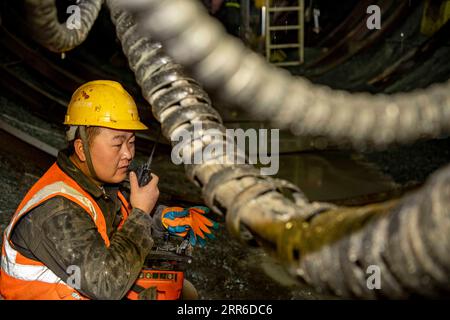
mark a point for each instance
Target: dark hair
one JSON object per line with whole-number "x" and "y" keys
{"x": 91, "y": 133}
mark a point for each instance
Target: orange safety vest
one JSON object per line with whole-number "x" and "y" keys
{"x": 26, "y": 279}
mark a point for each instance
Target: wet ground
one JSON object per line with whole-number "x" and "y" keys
{"x": 226, "y": 269}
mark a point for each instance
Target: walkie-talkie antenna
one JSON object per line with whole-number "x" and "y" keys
{"x": 150, "y": 159}
{"x": 144, "y": 173}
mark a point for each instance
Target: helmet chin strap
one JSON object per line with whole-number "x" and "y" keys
{"x": 87, "y": 153}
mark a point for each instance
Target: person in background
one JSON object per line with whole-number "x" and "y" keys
{"x": 228, "y": 12}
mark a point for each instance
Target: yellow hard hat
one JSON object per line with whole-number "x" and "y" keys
{"x": 103, "y": 103}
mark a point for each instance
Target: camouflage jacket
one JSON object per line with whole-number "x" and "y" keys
{"x": 60, "y": 234}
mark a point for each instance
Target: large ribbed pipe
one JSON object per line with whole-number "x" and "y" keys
{"x": 42, "y": 18}
{"x": 329, "y": 248}
{"x": 244, "y": 78}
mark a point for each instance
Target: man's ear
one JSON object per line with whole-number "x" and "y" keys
{"x": 79, "y": 151}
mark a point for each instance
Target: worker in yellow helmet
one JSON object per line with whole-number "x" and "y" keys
{"x": 97, "y": 105}
{"x": 75, "y": 235}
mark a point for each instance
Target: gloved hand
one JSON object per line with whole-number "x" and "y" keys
{"x": 189, "y": 223}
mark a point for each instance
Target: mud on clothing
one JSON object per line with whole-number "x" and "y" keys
{"x": 60, "y": 234}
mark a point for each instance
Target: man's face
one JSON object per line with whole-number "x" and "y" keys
{"x": 112, "y": 151}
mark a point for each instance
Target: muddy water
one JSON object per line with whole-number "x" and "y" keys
{"x": 226, "y": 269}
{"x": 334, "y": 175}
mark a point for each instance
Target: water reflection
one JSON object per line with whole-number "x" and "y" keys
{"x": 334, "y": 175}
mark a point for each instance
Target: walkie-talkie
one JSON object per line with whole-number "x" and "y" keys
{"x": 143, "y": 172}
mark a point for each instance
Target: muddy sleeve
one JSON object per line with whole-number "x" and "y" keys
{"x": 158, "y": 229}
{"x": 61, "y": 234}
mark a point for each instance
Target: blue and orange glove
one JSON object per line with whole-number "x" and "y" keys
{"x": 189, "y": 223}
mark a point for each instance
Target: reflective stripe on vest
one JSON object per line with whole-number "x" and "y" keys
{"x": 31, "y": 272}
{"x": 26, "y": 272}
{"x": 57, "y": 188}
{"x": 232, "y": 4}
{"x": 18, "y": 272}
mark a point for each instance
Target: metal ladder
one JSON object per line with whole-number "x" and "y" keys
{"x": 298, "y": 7}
